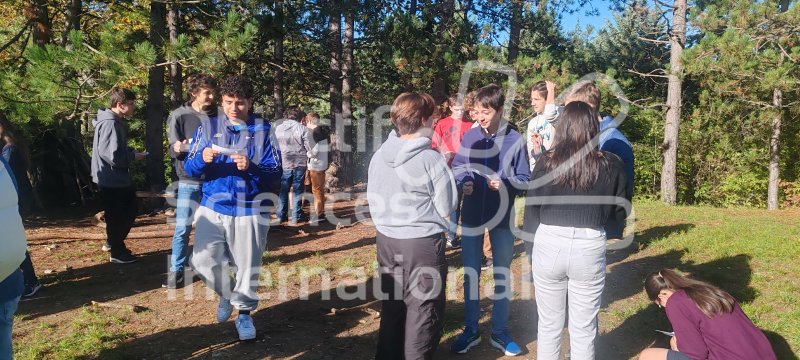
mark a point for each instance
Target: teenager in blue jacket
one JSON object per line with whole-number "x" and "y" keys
{"x": 240, "y": 165}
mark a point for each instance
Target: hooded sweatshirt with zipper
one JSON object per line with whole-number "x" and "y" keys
{"x": 226, "y": 189}
{"x": 111, "y": 155}
{"x": 410, "y": 189}
{"x": 482, "y": 157}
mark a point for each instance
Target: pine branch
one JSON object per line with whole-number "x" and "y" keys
{"x": 654, "y": 41}
{"x": 16, "y": 37}
{"x": 650, "y": 74}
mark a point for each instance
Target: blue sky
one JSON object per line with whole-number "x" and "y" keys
{"x": 569, "y": 21}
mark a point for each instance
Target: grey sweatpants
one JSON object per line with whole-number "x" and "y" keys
{"x": 226, "y": 244}
{"x": 412, "y": 279}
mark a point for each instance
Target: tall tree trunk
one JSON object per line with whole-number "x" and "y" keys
{"x": 348, "y": 157}
{"x": 774, "y": 141}
{"x": 37, "y": 13}
{"x": 441, "y": 80}
{"x": 335, "y": 49}
{"x": 335, "y": 88}
{"x": 73, "y": 20}
{"x": 774, "y": 150}
{"x": 412, "y": 9}
{"x": 677, "y": 39}
{"x": 277, "y": 73}
{"x": 155, "y": 114}
{"x": 175, "y": 70}
{"x": 514, "y": 31}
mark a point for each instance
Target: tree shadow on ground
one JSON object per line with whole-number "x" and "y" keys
{"x": 307, "y": 330}
{"x": 644, "y": 238}
{"x": 103, "y": 282}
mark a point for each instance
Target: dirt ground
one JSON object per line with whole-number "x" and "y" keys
{"x": 181, "y": 324}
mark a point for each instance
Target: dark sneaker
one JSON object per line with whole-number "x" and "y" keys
{"x": 452, "y": 242}
{"x": 465, "y": 341}
{"x": 125, "y": 258}
{"x": 506, "y": 344}
{"x": 174, "y": 280}
{"x": 31, "y": 290}
{"x": 487, "y": 264}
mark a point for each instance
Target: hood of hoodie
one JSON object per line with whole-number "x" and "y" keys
{"x": 396, "y": 151}
{"x": 104, "y": 115}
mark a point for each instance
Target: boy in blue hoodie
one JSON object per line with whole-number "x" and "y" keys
{"x": 491, "y": 167}
{"x": 240, "y": 164}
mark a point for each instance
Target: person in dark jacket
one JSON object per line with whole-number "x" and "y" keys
{"x": 183, "y": 123}
{"x": 111, "y": 160}
{"x": 16, "y": 156}
{"x": 241, "y": 167}
{"x": 611, "y": 140}
{"x": 576, "y": 190}
{"x": 707, "y": 322}
{"x": 491, "y": 168}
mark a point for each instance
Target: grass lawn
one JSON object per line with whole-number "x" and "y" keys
{"x": 753, "y": 254}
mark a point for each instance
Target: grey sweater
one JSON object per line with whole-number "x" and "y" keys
{"x": 410, "y": 189}
{"x": 111, "y": 155}
{"x": 293, "y": 142}
{"x": 183, "y": 123}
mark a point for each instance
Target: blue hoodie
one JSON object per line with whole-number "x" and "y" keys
{"x": 480, "y": 157}
{"x": 613, "y": 141}
{"x": 226, "y": 189}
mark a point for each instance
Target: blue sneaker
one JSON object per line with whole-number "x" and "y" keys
{"x": 506, "y": 344}
{"x": 224, "y": 310}
{"x": 245, "y": 327}
{"x": 465, "y": 341}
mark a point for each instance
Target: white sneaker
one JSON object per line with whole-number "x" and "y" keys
{"x": 245, "y": 327}
{"x": 224, "y": 310}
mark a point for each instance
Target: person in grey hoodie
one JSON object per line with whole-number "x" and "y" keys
{"x": 183, "y": 123}
{"x": 293, "y": 143}
{"x": 411, "y": 193}
{"x": 111, "y": 159}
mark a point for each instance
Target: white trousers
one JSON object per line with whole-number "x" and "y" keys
{"x": 572, "y": 261}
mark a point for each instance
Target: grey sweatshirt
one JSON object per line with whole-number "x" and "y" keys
{"x": 410, "y": 189}
{"x": 183, "y": 123}
{"x": 111, "y": 155}
{"x": 293, "y": 142}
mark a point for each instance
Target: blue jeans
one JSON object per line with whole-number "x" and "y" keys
{"x": 455, "y": 215}
{"x": 189, "y": 196}
{"x": 291, "y": 178}
{"x": 7, "y": 310}
{"x": 502, "y": 241}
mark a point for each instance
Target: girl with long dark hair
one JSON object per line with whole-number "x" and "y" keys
{"x": 576, "y": 189}
{"x": 707, "y": 321}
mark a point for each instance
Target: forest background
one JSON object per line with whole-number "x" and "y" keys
{"x": 711, "y": 86}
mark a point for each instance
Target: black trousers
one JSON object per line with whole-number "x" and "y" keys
{"x": 121, "y": 208}
{"x": 413, "y": 274}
